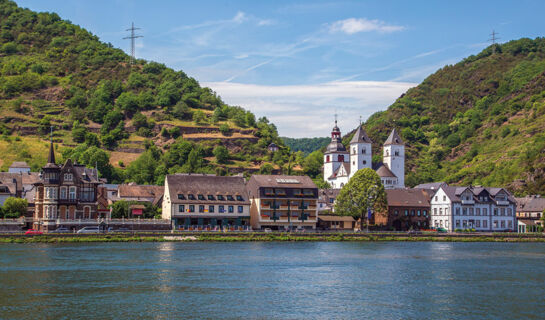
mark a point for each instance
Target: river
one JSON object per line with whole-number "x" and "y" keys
{"x": 273, "y": 280}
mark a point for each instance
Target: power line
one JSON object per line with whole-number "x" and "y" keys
{"x": 132, "y": 37}
{"x": 493, "y": 39}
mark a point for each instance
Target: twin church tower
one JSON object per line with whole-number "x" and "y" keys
{"x": 340, "y": 165}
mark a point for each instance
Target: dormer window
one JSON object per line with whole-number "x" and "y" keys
{"x": 239, "y": 198}
{"x": 191, "y": 196}
{"x": 181, "y": 196}
{"x": 200, "y": 196}
{"x": 220, "y": 197}
{"x": 230, "y": 197}
{"x": 211, "y": 197}
{"x": 68, "y": 177}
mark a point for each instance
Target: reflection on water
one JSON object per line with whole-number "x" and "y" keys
{"x": 268, "y": 280}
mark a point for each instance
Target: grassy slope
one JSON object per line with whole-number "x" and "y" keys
{"x": 44, "y": 60}
{"x": 480, "y": 122}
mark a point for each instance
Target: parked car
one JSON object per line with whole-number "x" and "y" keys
{"x": 267, "y": 230}
{"x": 33, "y": 232}
{"x": 89, "y": 230}
{"x": 300, "y": 229}
{"x": 62, "y": 230}
{"x": 441, "y": 230}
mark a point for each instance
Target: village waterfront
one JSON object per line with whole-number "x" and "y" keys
{"x": 272, "y": 280}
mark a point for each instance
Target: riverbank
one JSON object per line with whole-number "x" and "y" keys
{"x": 267, "y": 237}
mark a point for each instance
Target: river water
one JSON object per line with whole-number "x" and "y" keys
{"x": 273, "y": 280}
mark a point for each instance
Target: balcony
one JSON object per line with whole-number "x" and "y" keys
{"x": 468, "y": 201}
{"x": 502, "y": 202}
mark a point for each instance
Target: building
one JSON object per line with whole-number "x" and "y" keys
{"x": 479, "y": 208}
{"x": 334, "y": 222}
{"x": 200, "y": 202}
{"x": 19, "y": 167}
{"x": 340, "y": 165}
{"x": 281, "y": 202}
{"x": 11, "y": 185}
{"x": 65, "y": 194}
{"x": 326, "y": 200}
{"x": 530, "y": 210}
{"x": 407, "y": 209}
{"x": 141, "y": 193}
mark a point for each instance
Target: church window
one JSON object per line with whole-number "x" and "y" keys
{"x": 364, "y": 162}
{"x": 396, "y": 153}
{"x": 354, "y": 162}
{"x": 363, "y": 151}
{"x": 341, "y": 158}
{"x": 353, "y": 150}
{"x": 327, "y": 159}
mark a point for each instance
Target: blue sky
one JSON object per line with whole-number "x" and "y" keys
{"x": 299, "y": 62}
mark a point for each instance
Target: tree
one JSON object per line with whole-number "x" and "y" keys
{"x": 199, "y": 117}
{"x": 14, "y": 207}
{"x": 224, "y": 129}
{"x": 221, "y": 153}
{"x": 364, "y": 190}
{"x": 312, "y": 164}
{"x": 267, "y": 168}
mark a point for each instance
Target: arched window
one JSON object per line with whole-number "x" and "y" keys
{"x": 341, "y": 158}
{"x": 326, "y": 158}
{"x": 397, "y": 152}
{"x": 354, "y": 150}
{"x": 364, "y": 162}
{"x": 342, "y": 185}
{"x": 363, "y": 151}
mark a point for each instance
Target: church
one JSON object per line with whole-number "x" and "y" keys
{"x": 340, "y": 165}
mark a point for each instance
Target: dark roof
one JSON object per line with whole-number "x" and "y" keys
{"x": 360, "y": 136}
{"x": 13, "y": 181}
{"x": 278, "y": 181}
{"x": 454, "y": 193}
{"x": 51, "y": 156}
{"x": 394, "y": 138}
{"x": 19, "y": 164}
{"x": 431, "y": 186}
{"x": 325, "y": 194}
{"x": 531, "y": 204}
{"x": 335, "y": 146}
{"x": 383, "y": 171}
{"x": 408, "y": 198}
{"x": 206, "y": 185}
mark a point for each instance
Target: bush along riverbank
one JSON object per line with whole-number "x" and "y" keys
{"x": 270, "y": 237}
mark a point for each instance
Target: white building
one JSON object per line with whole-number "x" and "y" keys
{"x": 479, "y": 208}
{"x": 340, "y": 165}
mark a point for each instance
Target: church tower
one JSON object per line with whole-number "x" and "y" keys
{"x": 394, "y": 157}
{"x": 360, "y": 151}
{"x": 335, "y": 154}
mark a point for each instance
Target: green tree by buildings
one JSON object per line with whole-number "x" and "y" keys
{"x": 364, "y": 190}
{"x": 14, "y": 207}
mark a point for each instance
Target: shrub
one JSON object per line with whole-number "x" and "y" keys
{"x": 224, "y": 129}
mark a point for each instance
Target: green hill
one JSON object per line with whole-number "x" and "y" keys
{"x": 480, "y": 121}
{"x": 306, "y": 145}
{"x": 152, "y": 119}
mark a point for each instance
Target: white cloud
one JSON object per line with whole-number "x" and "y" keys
{"x": 307, "y": 110}
{"x": 353, "y": 25}
{"x": 239, "y": 17}
{"x": 265, "y": 22}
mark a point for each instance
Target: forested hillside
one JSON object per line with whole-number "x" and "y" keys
{"x": 152, "y": 120}
{"x": 480, "y": 121}
{"x": 306, "y": 145}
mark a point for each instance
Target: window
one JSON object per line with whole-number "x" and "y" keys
{"x": 485, "y": 211}
{"x": 418, "y": 213}
{"x": 230, "y": 197}
{"x": 280, "y": 192}
{"x": 220, "y": 197}
{"x": 510, "y": 224}
{"x": 495, "y": 211}
{"x": 396, "y": 153}
{"x": 425, "y": 213}
{"x": 181, "y": 196}
{"x": 436, "y": 198}
{"x": 444, "y": 198}
{"x": 364, "y": 162}
{"x": 502, "y": 210}
{"x": 68, "y": 177}
{"x": 485, "y": 224}
{"x": 363, "y": 151}
{"x": 406, "y": 212}
{"x": 440, "y": 211}
{"x": 341, "y": 158}
{"x": 297, "y": 192}
{"x": 240, "y": 209}
{"x": 239, "y": 198}
{"x": 353, "y": 150}
{"x": 221, "y": 209}
{"x": 231, "y": 209}
{"x": 331, "y": 200}
{"x": 181, "y": 208}
{"x": 478, "y": 223}
{"x": 464, "y": 223}
{"x": 326, "y": 158}
{"x": 395, "y": 212}
{"x": 191, "y": 208}
{"x": 510, "y": 212}
{"x": 200, "y": 197}
{"x": 435, "y": 211}
{"x": 464, "y": 211}
{"x": 457, "y": 223}
{"x": 88, "y": 194}
{"x": 412, "y": 212}
{"x": 470, "y": 211}
{"x": 503, "y": 224}
{"x": 72, "y": 194}
{"x": 191, "y": 196}
{"x": 457, "y": 211}
{"x": 211, "y": 197}
{"x": 201, "y": 208}
{"x": 478, "y": 211}
{"x": 63, "y": 192}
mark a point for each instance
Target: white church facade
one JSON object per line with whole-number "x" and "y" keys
{"x": 341, "y": 164}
